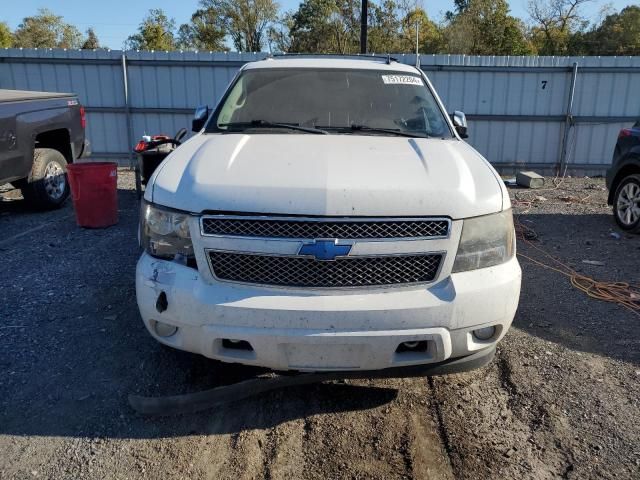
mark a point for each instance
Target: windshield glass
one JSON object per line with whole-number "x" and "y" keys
{"x": 341, "y": 101}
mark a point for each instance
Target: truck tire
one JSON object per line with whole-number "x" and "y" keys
{"x": 47, "y": 187}
{"x": 626, "y": 204}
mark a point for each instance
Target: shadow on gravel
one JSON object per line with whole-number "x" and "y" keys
{"x": 274, "y": 408}
{"x": 18, "y": 205}
{"x": 12, "y": 203}
{"x": 551, "y": 308}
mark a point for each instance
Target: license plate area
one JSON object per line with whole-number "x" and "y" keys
{"x": 305, "y": 356}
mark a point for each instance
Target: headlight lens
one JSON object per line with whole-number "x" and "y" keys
{"x": 165, "y": 233}
{"x": 485, "y": 241}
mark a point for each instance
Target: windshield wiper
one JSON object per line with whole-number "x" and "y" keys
{"x": 393, "y": 131}
{"x": 365, "y": 128}
{"x": 267, "y": 124}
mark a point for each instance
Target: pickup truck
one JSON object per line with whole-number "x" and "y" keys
{"x": 40, "y": 134}
{"x": 329, "y": 216}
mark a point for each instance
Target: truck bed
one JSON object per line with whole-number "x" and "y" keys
{"x": 22, "y": 95}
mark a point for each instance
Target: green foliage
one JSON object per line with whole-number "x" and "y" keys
{"x": 618, "y": 34}
{"x": 330, "y": 26}
{"x": 431, "y": 39}
{"x": 324, "y": 26}
{"x": 6, "y": 37}
{"x": 484, "y": 27}
{"x": 278, "y": 34}
{"x": 156, "y": 32}
{"x": 46, "y": 30}
{"x": 91, "y": 42}
{"x": 474, "y": 27}
{"x": 246, "y": 22}
{"x": 384, "y": 25}
{"x": 204, "y": 32}
{"x": 556, "y": 22}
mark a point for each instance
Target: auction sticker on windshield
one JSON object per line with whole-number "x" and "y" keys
{"x": 401, "y": 80}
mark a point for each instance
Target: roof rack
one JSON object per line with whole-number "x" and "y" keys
{"x": 360, "y": 56}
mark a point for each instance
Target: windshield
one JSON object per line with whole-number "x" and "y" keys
{"x": 340, "y": 101}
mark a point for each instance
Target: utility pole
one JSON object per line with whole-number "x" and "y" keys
{"x": 417, "y": 44}
{"x": 363, "y": 26}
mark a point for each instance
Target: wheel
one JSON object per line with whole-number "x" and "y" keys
{"x": 626, "y": 204}
{"x": 47, "y": 187}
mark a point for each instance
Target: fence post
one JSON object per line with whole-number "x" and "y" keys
{"x": 127, "y": 110}
{"x": 568, "y": 122}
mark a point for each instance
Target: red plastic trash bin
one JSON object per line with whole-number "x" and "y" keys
{"x": 94, "y": 192}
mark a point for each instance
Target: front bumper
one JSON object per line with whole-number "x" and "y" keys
{"x": 315, "y": 330}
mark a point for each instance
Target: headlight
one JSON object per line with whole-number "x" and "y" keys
{"x": 164, "y": 232}
{"x": 485, "y": 241}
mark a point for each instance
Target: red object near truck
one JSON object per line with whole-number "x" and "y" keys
{"x": 94, "y": 192}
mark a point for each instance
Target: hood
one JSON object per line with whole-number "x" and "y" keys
{"x": 328, "y": 175}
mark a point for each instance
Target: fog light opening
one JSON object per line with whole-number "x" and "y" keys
{"x": 164, "y": 329}
{"x": 233, "y": 344}
{"x": 484, "y": 334}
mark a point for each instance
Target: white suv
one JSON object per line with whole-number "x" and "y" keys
{"x": 328, "y": 216}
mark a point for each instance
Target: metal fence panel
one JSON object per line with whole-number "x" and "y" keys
{"x": 517, "y": 106}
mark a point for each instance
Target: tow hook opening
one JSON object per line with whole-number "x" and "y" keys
{"x": 417, "y": 346}
{"x": 162, "y": 303}
{"x": 232, "y": 344}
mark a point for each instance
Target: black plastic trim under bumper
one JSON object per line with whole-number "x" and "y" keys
{"x": 193, "y": 402}
{"x": 452, "y": 365}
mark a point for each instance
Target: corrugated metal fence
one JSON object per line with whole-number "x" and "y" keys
{"x": 522, "y": 111}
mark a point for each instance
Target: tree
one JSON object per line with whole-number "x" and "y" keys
{"x": 484, "y": 27}
{"x": 46, "y": 30}
{"x": 618, "y": 34}
{"x": 312, "y": 27}
{"x": 429, "y": 34}
{"x": 156, "y": 32}
{"x": 325, "y": 26}
{"x": 91, "y": 42}
{"x": 279, "y": 34}
{"x": 555, "y": 22}
{"x": 6, "y": 38}
{"x": 71, "y": 37}
{"x": 347, "y": 25}
{"x": 459, "y": 7}
{"x": 384, "y": 26}
{"x": 333, "y": 26}
{"x": 246, "y": 22}
{"x": 204, "y": 32}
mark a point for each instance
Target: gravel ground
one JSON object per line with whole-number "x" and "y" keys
{"x": 560, "y": 400}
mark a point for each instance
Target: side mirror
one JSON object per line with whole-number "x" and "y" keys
{"x": 200, "y": 118}
{"x": 460, "y": 123}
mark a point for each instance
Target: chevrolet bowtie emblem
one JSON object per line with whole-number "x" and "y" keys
{"x": 324, "y": 249}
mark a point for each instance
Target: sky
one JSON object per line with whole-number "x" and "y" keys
{"x": 114, "y": 20}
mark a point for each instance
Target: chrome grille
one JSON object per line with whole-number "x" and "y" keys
{"x": 296, "y": 271}
{"x": 312, "y": 228}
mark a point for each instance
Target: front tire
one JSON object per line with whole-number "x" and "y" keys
{"x": 626, "y": 204}
{"x": 47, "y": 187}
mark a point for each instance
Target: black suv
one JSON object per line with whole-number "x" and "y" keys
{"x": 623, "y": 179}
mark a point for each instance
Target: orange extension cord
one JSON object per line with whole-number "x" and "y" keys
{"x": 621, "y": 293}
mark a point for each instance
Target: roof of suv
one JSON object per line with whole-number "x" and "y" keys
{"x": 364, "y": 63}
